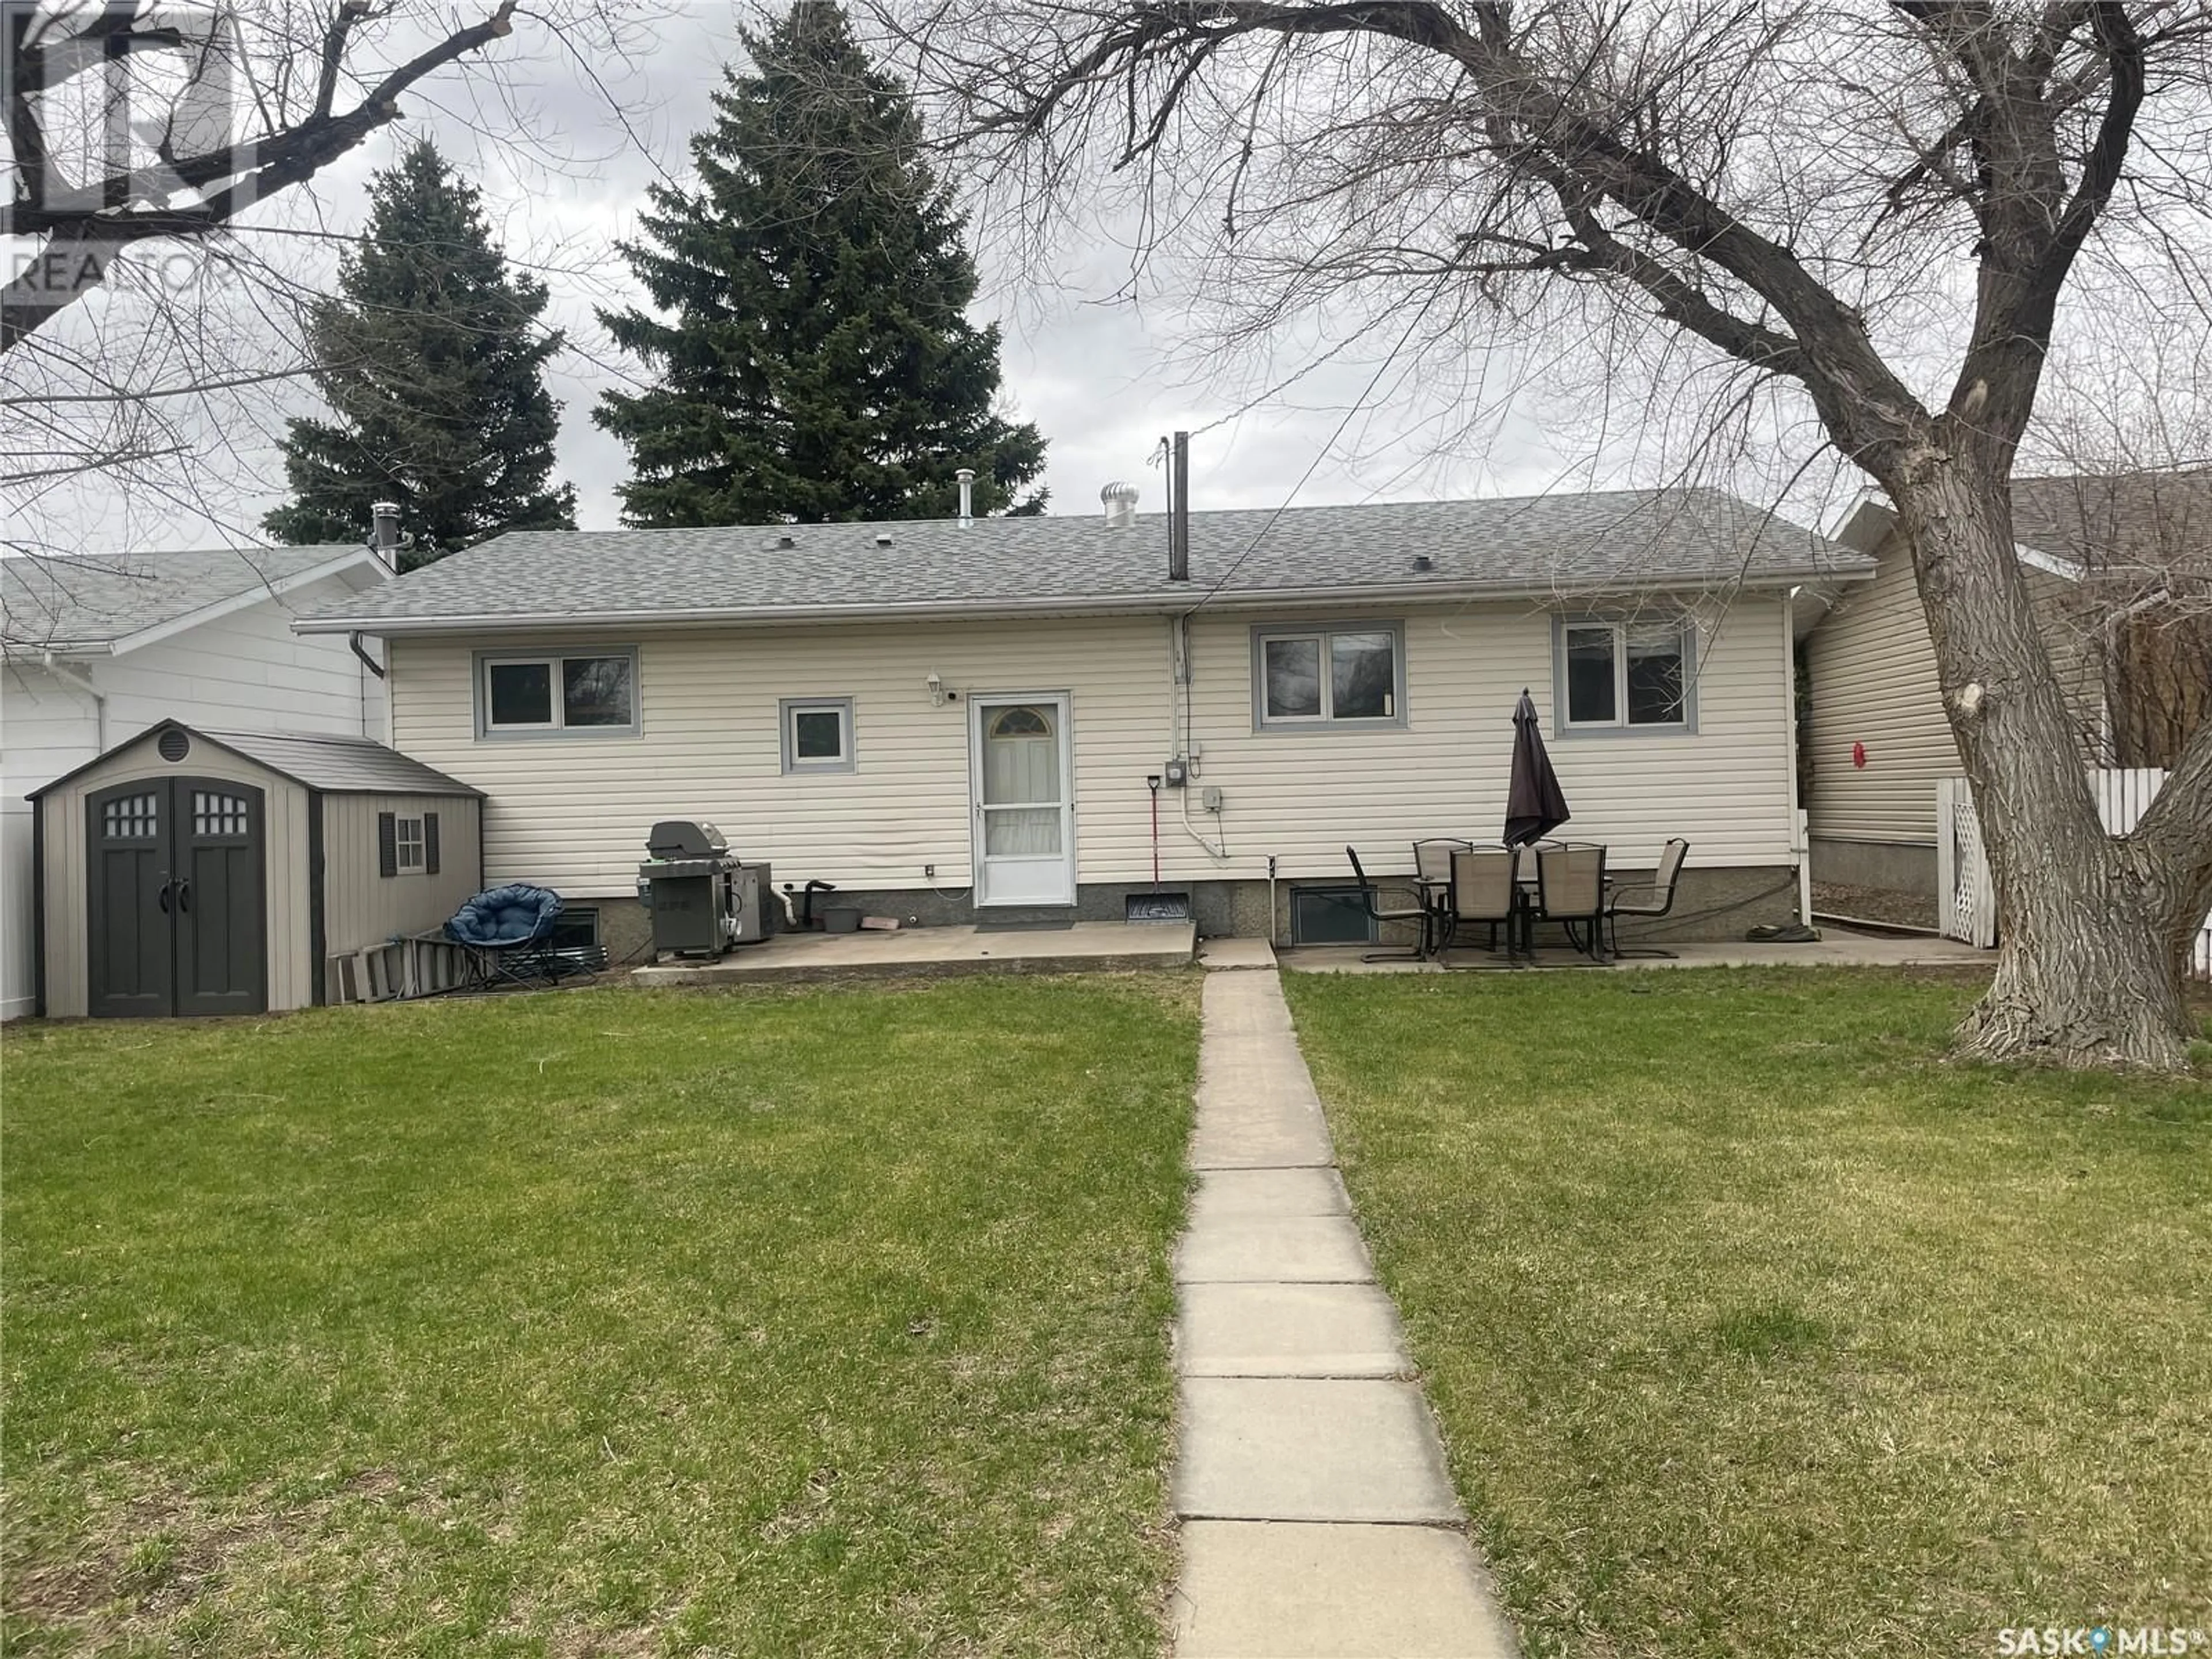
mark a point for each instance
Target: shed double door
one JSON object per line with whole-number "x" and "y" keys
{"x": 176, "y": 901}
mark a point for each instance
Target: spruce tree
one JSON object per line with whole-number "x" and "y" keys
{"x": 432, "y": 362}
{"x": 817, "y": 363}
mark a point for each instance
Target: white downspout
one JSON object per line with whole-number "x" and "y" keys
{"x": 78, "y": 680}
{"x": 1801, "y": 838}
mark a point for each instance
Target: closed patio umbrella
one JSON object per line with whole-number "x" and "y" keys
{"x": 1533, "y": 806}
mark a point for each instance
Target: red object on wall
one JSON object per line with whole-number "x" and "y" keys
{"x": 1858, "y": 756}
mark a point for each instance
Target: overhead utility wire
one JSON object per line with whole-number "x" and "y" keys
{"x": 1321, "y": 454}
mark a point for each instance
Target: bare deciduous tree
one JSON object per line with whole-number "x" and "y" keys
{"x": 166, "y": 156}
{"x": 1874, "y": 215}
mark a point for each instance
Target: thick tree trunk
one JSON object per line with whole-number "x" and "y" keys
{"x": 2086, "y": 973}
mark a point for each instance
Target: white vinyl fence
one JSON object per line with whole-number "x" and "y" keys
{"x": 1965, "y": 903}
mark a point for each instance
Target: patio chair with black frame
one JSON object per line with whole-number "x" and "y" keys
{"x": 1483, "y": 894}
{"x": 1432, "y": 871}
{"x": 1571, "y": 892}
{"x": 505, "y": 934}
{"x": 1645, "y": 901}
{"x": 1420, "y": 915}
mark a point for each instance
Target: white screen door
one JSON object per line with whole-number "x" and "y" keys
{"x": 1024, "y": 818}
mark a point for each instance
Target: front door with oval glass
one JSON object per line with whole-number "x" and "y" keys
{"x": 174, "y": 869}
{"x": 1024, "y": 805}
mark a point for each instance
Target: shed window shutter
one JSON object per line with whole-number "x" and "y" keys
{"x": 388, "y": 843}
{"x": 429, "y": 843}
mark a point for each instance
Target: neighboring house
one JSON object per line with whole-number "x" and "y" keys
{"x": 2103, "y": 559}
{"x": 93, "y": 650}
{"x": 952, "y": 718}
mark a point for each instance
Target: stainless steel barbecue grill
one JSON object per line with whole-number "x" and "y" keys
{"x": 704, "y": 898}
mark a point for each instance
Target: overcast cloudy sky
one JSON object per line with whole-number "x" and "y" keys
{"x": 1103, "y": 377}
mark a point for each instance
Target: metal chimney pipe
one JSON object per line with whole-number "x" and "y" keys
{"x": 1179, "y": 509}
{"x": 384, "y": 528}
{"x": 966, "y": 475}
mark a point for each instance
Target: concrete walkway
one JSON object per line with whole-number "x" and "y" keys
{"x": 1317, "y": 1517}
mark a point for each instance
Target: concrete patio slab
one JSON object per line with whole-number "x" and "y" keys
{"x": 1232, "y": 954}
{"x": 1837, "y": 947}
{"x": 1277, "y": 1448}
{"x": 1289, "y": 1330}
{"x": 1304, "y": 1250}
{"x": 1248, "y": 1195}
{"x": 1256, "y": 1589}
{"x": 1086, "y": 946}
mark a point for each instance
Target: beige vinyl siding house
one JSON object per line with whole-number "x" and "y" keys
{"x": 590, "y": 685}
{"x": 572, "y": 812}
{"x": 1874, "y": 684}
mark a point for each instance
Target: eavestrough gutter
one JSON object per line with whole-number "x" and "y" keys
{"x": 1154, "y": 604}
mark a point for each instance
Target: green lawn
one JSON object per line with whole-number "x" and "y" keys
{"x": 1756, "y": 1329}
{"x": 609, "y": 1322}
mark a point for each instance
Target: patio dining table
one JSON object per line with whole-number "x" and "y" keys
{"x": 1436, "y": 897}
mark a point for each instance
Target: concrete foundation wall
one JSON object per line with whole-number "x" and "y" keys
{"x": 1895, "y": 867}
{"x": 1709, "y": 904}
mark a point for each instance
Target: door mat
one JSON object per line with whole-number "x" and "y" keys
{"x": 997, "y": 927}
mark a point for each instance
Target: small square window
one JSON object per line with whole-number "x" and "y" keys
{"x": 408, "y": 844}
{"x": 817, "y": 734}
{"x": 595, "y": 691}
{"x": 522, "y": 693}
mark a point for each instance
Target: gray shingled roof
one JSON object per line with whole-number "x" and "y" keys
{"x": 339, "y": 765}
{"x": 81, "y": 603}
{"x": 1638, "y": 539}
{"x": 2156, "y": 524}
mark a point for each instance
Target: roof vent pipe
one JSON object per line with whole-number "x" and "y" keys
{"x": 1179, "y": 509}
{"x": 966, "y": 475}
{"x": 1121, "y": 502}
{"x": 383, "y": 530}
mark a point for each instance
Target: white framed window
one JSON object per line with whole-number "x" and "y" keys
{"x": 554, "y": 694}
{"x": 1626, "y": 675}
{"x": 1337, "y": 674}
{"x": 408, "y": 845}
{"x": 817, "y": 734}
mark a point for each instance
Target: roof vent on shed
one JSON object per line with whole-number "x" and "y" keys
{"x": 173, "y": 745}
{"x": 1121, "y": 503}
{"x": 1423, "y": 562}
